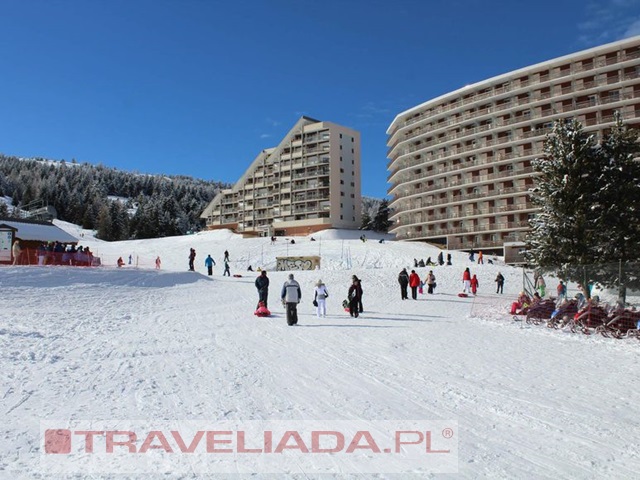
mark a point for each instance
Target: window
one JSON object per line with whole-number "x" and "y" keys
{"x": 342, "y": 194}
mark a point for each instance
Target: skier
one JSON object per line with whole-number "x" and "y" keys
{"x": 500, "y": 283}
{"x": 414, "y": 283}
{"x": 262, "y": 285}
{"x": 355, "y": 297}
{"x": 209, "y": 263}
{"x": 320, "y": 294}
{"x": 226, "y": 269}
{"x": 192, "y": 257}
{"x": 291, "y": 296}
{"x": 466, "y": 281}
{"x": 403, "y": 280}
{"x": 474, "y": 285}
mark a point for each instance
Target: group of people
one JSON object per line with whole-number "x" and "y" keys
{"x": 413, "y": 281}
{"x": 209, "y": 263}
{"x": 291, "y": 295}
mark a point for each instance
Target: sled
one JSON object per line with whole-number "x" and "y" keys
{"x": 345, "y": 305}
{"x": 237, "y": 275}
{"x": 463, "y": 295}
{"x": 262, "y": 311}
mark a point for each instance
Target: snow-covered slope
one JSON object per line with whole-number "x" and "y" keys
{"x": 110, "y": 345}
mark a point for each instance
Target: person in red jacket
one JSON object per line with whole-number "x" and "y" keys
{"x": 414, "y": 283}
{"x": 474, "y": 285}
{"x": 466, "y": 281}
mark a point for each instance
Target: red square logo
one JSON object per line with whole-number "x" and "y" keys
{"x": 57, "y": 441}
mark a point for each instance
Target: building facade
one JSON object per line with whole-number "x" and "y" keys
{"x": 460, "y": 165}
{"x": 309, "y": 182}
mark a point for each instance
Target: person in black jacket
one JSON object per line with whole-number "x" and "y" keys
{"x": 355, "y": 297}
{"x": 403, "y": 280}
{"x": 262, "y": 284}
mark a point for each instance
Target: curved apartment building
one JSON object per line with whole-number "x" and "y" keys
{"x": 460, "y": 165}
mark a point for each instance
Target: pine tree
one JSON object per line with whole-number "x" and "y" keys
{"x": 381, "y": 221}
{"x": 563, "y": 231}
{"x": 589, "y": 199}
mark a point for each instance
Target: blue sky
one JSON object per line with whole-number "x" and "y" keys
{"x": 199, "y": 87}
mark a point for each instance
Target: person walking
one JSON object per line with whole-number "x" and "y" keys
{"x": 158, "y": 262}
{"x": 209, "y": 263}
{"x": 431, "y": 281}
{"x": 320, "y": 294}
{"x": 16, "y": 250}
{"x": 480, "y": 258}
{"x": 499, "y": 283}
{"x": 192, "y": 257}
{"x": 262, "y": 285}
{"x": 466, "y": 281}
{"x": 440, "y": 259}
{"x": 291, "y": 296}
{"x": 403, "y": 280}
{"x": 474, "y": 285}
{"x": 355, "y": 297}
{"x": 359, "y": 282}
{"x": 226, "y": 269}
{"x": 414, "y": 283}
{"x": 226, "y": 256}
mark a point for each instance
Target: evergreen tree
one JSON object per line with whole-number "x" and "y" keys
{"x": 589, "y": 199}
{"x": 381, "y": 221}
{"x": 366, "y": 221}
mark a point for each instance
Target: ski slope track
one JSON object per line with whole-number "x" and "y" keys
{"x": 113, "y": 343}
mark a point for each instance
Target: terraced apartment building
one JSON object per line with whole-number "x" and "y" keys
{"x": 309, "y": 182}
{"x": 460, "y": 165}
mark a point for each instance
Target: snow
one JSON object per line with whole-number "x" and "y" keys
{"x": 112, "y": 344}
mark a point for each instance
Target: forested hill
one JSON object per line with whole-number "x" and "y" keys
{"x": 119, "y": 205}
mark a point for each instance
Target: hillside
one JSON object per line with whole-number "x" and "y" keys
{"x": 111, "y": 349}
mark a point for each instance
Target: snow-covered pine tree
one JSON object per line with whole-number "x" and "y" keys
{"x": 381, "y": 221}
{"x": 589, "y": 195}
{"x": 619, "y": 212}
{"x": 564, "y": 231}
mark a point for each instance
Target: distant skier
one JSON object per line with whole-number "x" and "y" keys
{"x": 192, "y": 257}
{"x": 291, "y": 296}
{"x": 262, "y": 285}
{"x": 209, "y": 263}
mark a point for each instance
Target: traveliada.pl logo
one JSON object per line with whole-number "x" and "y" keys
{"x": 250, "y": 447}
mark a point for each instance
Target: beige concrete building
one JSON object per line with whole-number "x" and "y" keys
{"x": 460, "y": 164}
{"x": 309, "y": 182}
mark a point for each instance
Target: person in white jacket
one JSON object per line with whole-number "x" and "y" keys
{"x": 320, "y": 294}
